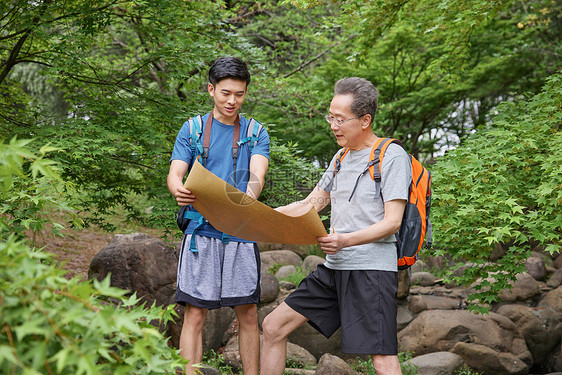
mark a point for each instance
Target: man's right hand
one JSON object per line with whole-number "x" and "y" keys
{"x": 183, "y": 196}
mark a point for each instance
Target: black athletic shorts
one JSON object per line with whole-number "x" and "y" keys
{"x": 363, "y": 303}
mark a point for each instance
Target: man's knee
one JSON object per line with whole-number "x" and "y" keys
{"x": 272, "y": 328}
{"x": 247, "y": 315}
{"x": 194, "y": 316}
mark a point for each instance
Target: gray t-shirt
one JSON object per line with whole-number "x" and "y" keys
{"x": 365, "y": 208}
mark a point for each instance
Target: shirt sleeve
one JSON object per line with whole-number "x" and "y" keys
{"x": 327, "y": 180}
{"x": 182, "y": 148}
{"x": 262, "y": 147}
{"x": 396, "y": 173}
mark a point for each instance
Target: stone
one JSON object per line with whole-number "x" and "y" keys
{"x": 403, "y": 284}
{"x": 539, "y": 339}
{"x": 441, "y": 330}
{"x": 141, "y": 264}
{"x": 283, "y": 257}
{"x": 300, "y": 356}
{"x": 269, "y": 287}
{"x": 558, "y": 261}
{"x": 311, "y": 262}
{"x": 299, "y": 371}
{"x": 287, "y": 285}
{"x": 555, "y": 279}
{"x": 403, "y": 317}
{"x": 491, "y": 362}
{"x": 437, "y": 363}
{"x": 524, "y": 288}
{"x": 316, "y": 343}
{"x": 535, "y": 267}
{"x": 423, "y": 279}
{"x": 285, "y": 271}
{"x": 419, "y": 266}
{"x": 207, "y": 370}
{"x": 553, "y": 300}
{"x": 332, "y": 365}
{"x": 420, "y": 303}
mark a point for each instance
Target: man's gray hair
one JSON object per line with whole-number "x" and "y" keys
{"x": 365, "y": 95}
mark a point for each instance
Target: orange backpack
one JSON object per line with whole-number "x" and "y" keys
{"x": 416, "y": 226}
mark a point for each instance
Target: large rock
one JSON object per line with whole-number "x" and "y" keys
{"x": 315, "y": 342}
{"x": 440, "y": 330}
{"x": 535, "y": 267}
{"x": 491, "y": 362}
{"x": 332, "y": 365}
{"x": 403, "y": 284}
{"x": 524, "y": 288}
{"x": 311, "y": 262}
{"x": 403, "y": 317}
{"x": 285, "y": 271}
{"x": 283, "y": 257}
{"x": 553, "y": 300}
{"x": 558, "y": 261}
{"x": 540, "y": 338}
{"x": 423, "y": 278}
{"x": 138, "y": 262}
{"x": 438, "y": 363}
{"x": 269, "y": 287}
{"x": 555, "y": 279}
{"x": 419, "y": 266}
{"x": 420, "y": 303}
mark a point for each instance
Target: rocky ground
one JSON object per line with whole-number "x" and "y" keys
{"x": 523, "y": 332}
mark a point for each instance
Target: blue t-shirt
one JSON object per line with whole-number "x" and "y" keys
{"x": 220, "y": 161}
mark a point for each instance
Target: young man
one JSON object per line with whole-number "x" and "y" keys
{"x": 220, "y": 270}
{"x": 356, "y": 288}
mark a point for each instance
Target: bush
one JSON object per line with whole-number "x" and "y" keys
{"x": 502, "y": 186}
{"x": 52, "y": 325}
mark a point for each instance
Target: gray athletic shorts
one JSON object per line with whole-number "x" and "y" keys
{"x": 363, "y": 303}
{"x": 218, "y": 274}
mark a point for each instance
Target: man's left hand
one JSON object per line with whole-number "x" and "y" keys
{"x": 332, "y": 243}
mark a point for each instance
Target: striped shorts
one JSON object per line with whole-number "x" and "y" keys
{"x": 218, "y": 274}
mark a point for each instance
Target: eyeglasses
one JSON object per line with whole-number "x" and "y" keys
{"x": 340, "y": 122}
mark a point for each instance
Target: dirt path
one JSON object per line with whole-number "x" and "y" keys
{"x": 77, "y": 248}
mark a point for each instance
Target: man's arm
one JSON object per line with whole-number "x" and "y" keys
{"x": 178, "y": 169}
{"x": 258, "y": 169}
{"x": 390, "y": 224}
{"x": 317, "y": 199}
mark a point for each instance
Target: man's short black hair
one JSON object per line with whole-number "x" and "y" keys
{"x": 229, "y": 67}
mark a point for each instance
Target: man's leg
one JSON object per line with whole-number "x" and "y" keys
{"x": 386, "y": 364}
{"x": 249, "y": 338}
{"x": 191, "y": 338}
{"x": 276, "y": 328}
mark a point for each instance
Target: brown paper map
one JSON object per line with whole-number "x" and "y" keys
{"x": 231, "y": 211}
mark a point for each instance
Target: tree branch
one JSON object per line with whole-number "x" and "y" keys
{"x": 12, "y": 59}
{"x": 305, "y": 64}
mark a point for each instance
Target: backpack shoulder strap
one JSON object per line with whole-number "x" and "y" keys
{"x": 254, "y": 129}
{"x": 377, "y": 154}
{"x": 337, "y": 166}
{"x": 339, "y": 159}
{"x": 207, "y": 138}
{"x": 195, "y": 136}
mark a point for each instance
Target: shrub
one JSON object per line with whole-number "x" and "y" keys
{"x": 51, "y": 325}
{"x": 502, "y": 186}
